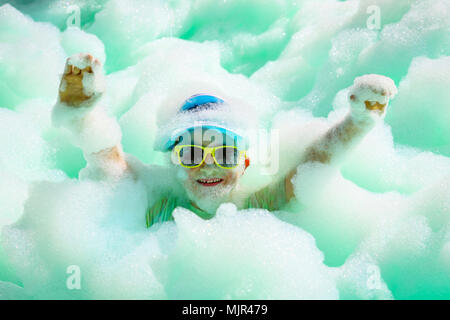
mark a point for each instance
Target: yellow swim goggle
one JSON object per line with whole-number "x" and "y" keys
{"x": 193, "y": 156}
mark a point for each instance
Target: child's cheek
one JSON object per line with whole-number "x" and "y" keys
{"x": 232, "y": 176}
{"x": 183, "y": 174}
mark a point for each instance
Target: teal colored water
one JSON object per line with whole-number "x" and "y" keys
{"x": 377, "y": 227}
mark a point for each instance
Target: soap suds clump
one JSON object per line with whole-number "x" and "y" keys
{"x": 375, "y": 227}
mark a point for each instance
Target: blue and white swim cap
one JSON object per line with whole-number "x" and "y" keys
{"x": 203, "y": 111}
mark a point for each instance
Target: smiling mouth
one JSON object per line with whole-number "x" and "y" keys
{"x": 210, "y": 182}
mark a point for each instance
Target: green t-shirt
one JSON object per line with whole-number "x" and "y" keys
{"x": 271, "y": 198}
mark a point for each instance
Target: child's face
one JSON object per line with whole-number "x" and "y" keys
{"x": 210, "y": 185}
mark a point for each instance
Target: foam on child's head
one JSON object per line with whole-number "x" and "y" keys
{"x": 205, "y": 111}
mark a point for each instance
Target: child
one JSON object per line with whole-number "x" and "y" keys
{"x": 207, "y": 147}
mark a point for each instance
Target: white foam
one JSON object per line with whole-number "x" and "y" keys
{"x": 91, "y": 128}
{"x": 374, "y": 228}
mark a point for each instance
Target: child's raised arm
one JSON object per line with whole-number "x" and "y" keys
{"x": 97, "y": 134}
{"x": 369, "y": 98}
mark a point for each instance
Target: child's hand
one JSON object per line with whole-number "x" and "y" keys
{"x": 370, "y": 96}
{"x": 83, "y": 80}
{"x": 91, "y": 128}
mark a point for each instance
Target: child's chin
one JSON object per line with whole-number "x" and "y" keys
{"x": 211, "y": 192}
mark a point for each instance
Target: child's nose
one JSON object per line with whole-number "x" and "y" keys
{"x": 209, "y": 159}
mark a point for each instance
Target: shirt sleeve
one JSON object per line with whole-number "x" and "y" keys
{"x": 271, "y": 197}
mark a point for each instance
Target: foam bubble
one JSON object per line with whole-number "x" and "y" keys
{"x": 374, "y": 226}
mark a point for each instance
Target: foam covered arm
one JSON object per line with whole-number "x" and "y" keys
{"x": 369, "y": 97}
{"x": 90, "y": 127}
{"x": 338, "y": 140}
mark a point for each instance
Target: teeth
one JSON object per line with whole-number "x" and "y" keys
{"x": 214, "y": 180}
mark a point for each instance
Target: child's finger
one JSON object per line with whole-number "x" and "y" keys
{"x": 88, "y": 69}
{"x": 67, "y": 68}
{"x": 75, "y": 70}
